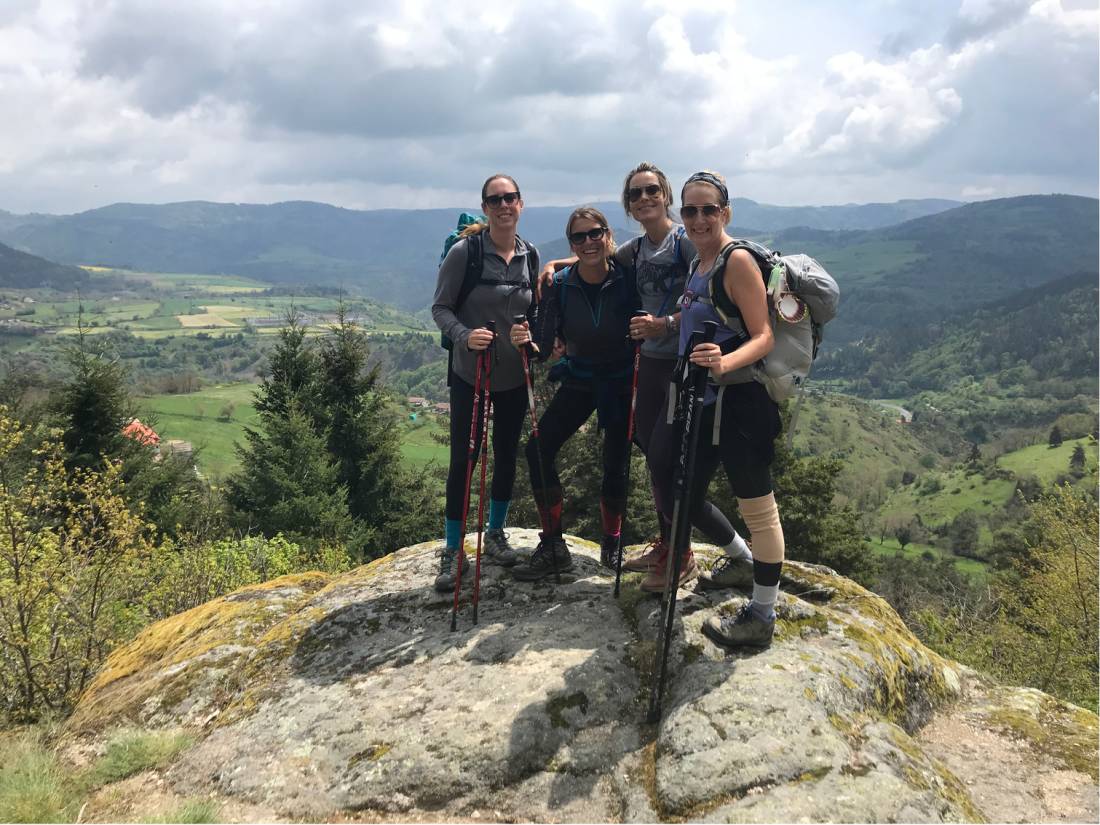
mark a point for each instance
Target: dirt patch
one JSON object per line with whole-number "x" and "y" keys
{"x": 1006, "y": 779}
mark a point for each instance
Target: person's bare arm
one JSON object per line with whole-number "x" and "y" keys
{"x": 745, "y": 287}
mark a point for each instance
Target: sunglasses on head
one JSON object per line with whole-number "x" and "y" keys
{"x": 635, "y": 192}
{"x": 577, "y": 238}
{"x": 708, "y": 209}
{"x": 496, "y": 200}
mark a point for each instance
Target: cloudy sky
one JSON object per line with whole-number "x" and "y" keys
{"x": 409, "y": 103}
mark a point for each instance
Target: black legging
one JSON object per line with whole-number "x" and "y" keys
{"x": 750, "y": 423}
{"x": 509, "y": 408}
{"x": 571, "y": 406}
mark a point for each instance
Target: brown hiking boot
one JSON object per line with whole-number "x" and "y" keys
{"x": 655, "y": 581}
{"x": 644, "y": 563}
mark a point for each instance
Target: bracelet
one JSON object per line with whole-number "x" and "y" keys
{"x": 668, "y": 325}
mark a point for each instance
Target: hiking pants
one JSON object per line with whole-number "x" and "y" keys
{"x": 750, "y": 423}
{"x": 509, "y": 408}
{"x": 571, "y": 407}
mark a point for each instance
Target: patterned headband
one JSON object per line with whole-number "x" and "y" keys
{"x": 707, "y": 177}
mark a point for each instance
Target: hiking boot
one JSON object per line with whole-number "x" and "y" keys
{"x": 497, "y": 550}
{"x": 644, "y": 563}
{"x": 655, "y": 581}
{"x": 448, "y": 568}
{"x": 550, "y": 557}
{"x": 742, "y": 630}
{"x": 609, "y": 551}
{"x": 727, "y": 572}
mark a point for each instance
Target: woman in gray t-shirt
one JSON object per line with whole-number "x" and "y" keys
{"x": 659, "y": 257}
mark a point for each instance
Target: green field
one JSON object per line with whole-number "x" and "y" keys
{"x": 890, "y": 548}
{"x": 417, "y": 444}
{"x": 1047, "y": 463}
{"x": 197, "y": 417}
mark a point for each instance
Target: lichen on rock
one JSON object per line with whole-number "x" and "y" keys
{"x": 318, "y": 696}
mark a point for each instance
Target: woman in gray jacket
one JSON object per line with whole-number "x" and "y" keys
{"x": 508, "y": 267}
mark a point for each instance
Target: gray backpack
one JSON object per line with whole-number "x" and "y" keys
{"x": 802, "y": 298}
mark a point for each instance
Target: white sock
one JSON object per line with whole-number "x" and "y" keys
{"x": 738, "y": 548}
{"x": 763, "y": 600}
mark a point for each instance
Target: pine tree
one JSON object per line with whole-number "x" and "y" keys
{"x": 287, "y": 482}
{"x": 94, "y": 405}
{"x": 1077, "y": 460}
{"x": 1055, "y": 438}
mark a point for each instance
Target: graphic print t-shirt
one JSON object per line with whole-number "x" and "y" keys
{"x": 661, "y": 276}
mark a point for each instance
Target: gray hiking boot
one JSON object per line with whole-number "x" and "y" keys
{"x": 497, "y": 550}
{"x": 448, "y": 568}
{"x": 550, "y": 557}
{"x": 742, "y": 630}
{"x": 727, "y": 572}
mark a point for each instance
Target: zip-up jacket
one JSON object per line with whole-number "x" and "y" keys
{"x": 596, "y": 334}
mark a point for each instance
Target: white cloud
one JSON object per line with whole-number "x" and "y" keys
{"x": 413, "y": 103}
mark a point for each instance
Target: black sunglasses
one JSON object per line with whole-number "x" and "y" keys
{"x": 577, "y": 238}
{"x": 708, "y": 209}
{"x": 496, "y": 200}
{"x": 635, "y": 192}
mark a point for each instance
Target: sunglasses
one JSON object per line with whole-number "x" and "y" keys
{"x": 496, "y": 200}
{"x": 634, "y": 193}
{"x": 709, "y": 210}
{"x": 577, "y": 238}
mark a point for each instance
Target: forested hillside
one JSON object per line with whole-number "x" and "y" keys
{"x": 23, "y": 271}
{"x": 389, "y": 254}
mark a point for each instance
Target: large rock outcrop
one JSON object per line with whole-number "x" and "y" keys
{"x": 318, "y": 696}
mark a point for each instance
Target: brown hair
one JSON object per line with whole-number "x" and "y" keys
{"x": 593, "y": 214}
{"x": 491, "y": 178}
{"x": 666, "y": 187}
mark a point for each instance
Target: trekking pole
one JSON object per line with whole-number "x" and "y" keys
{"x": 466, "y": 495}
{"x": 525, "y": 353}
{"x": 486, "y": 413}
{"x": 681, "y": 516}
{"x": 629, "y": 450}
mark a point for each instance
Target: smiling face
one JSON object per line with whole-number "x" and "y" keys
{"x": 501, "y": 214}
{"x": 704, "y": 230}
{"x": 589, "y": 251}
{"x": 646, "y": 197}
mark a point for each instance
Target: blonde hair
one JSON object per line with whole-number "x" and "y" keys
{"x": 592, "y": 214}
{"x": 662, "y": 180}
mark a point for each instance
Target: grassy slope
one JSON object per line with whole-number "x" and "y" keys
{"x": 1047, "y": 463}
{"x": 870, "y": 443}
{"x": 890, "y": 548}
{"x": 194, "y": 417}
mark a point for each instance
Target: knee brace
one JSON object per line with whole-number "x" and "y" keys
{"x": 761, "y": 516}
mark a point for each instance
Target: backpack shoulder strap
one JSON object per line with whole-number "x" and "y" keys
{"x": 637, "y": 244}
{"x": 474, "y": 266}
{"x": 721, "y": 301}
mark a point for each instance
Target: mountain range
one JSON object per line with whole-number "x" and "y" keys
{"x": 388, "y": 254}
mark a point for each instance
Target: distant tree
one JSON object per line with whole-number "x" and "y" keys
{"x": 904, "y": 535}
{"x": 1055, "y": 437}
{"x": 226, "y": 412}
{"x": 1077, "y": 460}
{"x": 975, "y": 454}
{"x": 963, "y": 534}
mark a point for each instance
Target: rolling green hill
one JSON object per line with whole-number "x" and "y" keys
{"x": 391, "y": 254}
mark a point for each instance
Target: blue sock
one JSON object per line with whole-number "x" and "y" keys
{"x": 452, "y": 532}
{"x": 498, "y": 513}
